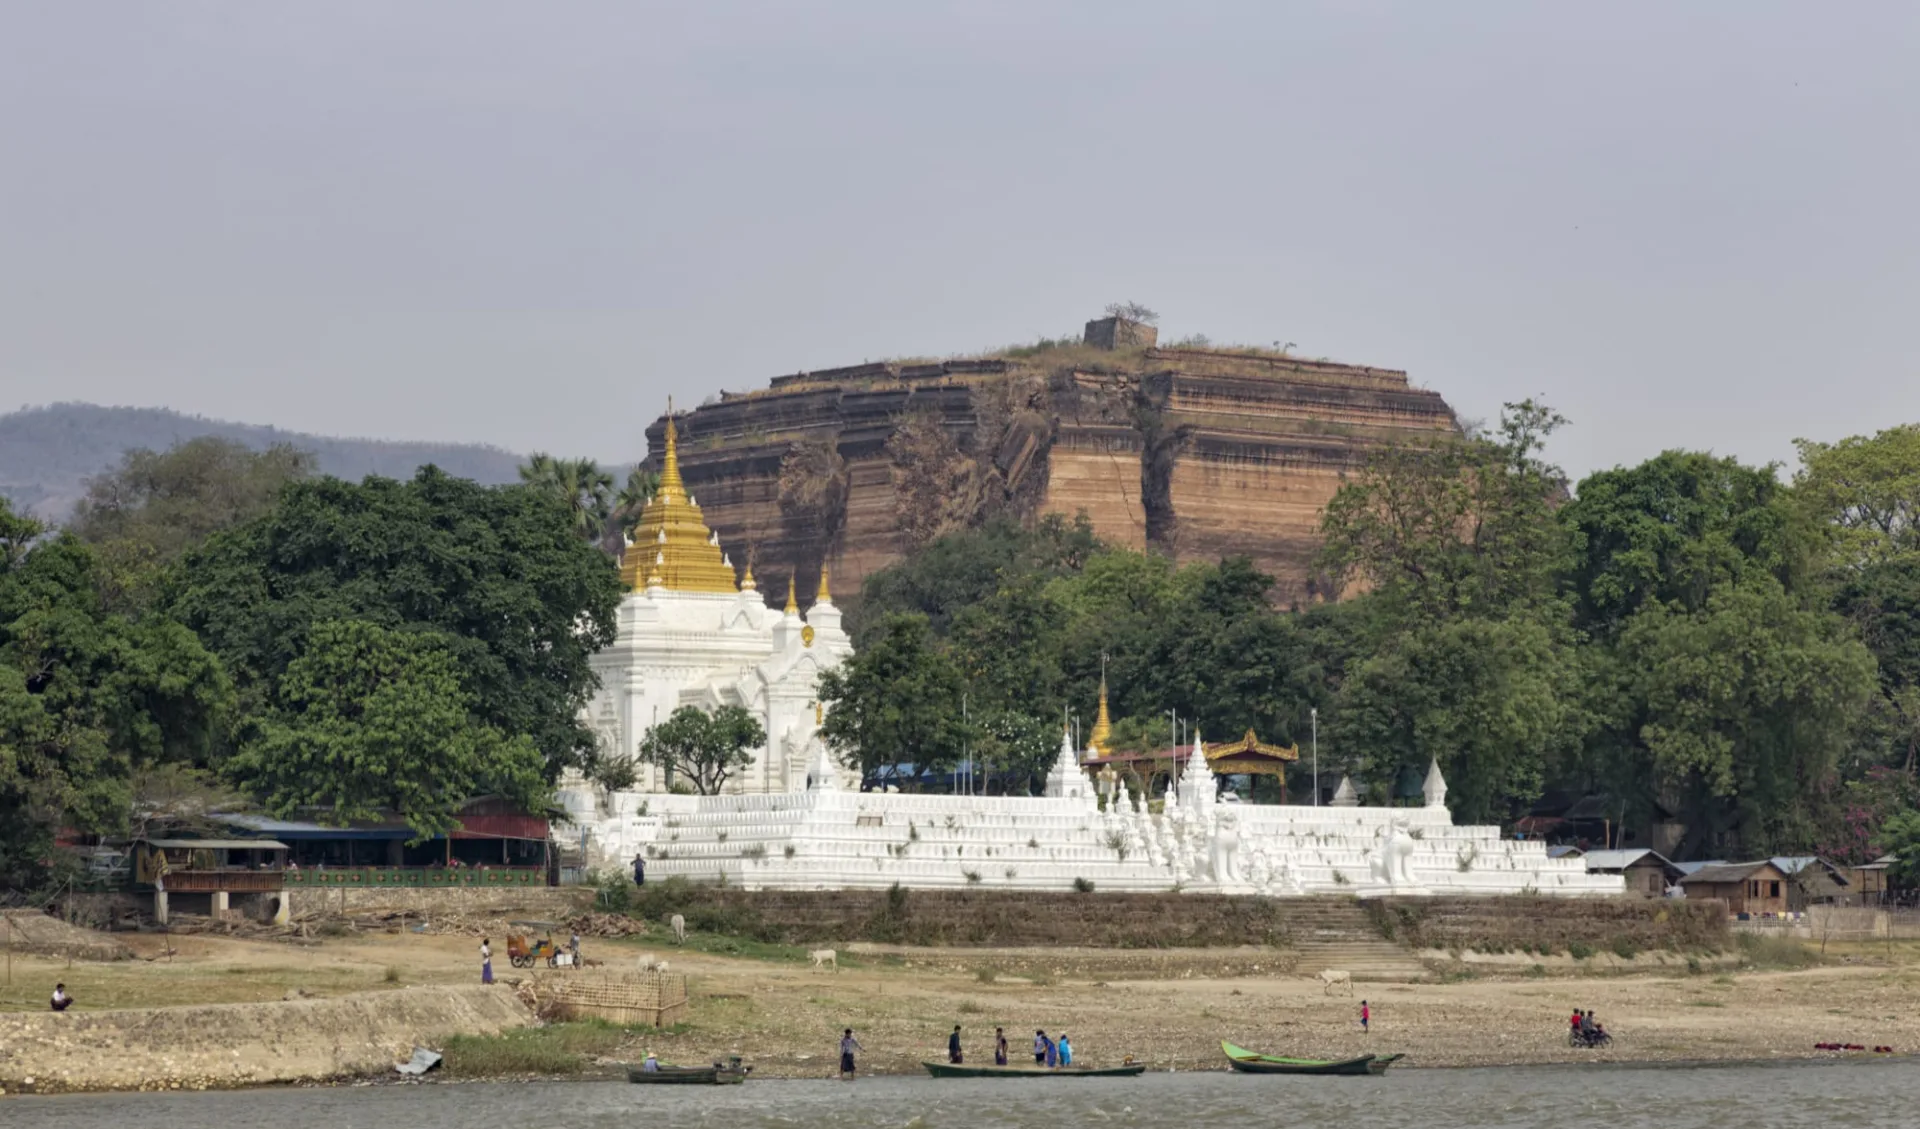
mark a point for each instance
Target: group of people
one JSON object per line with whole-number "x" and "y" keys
{"x": 1584, "y": 1028}
{"x": 1047, "y": 1051}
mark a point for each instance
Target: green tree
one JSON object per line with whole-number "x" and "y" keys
{"x": 1014, "y": 749}
{"x": 1675, "y": 528}
{"x": 368, "y": 720}
{"x": 519, "y": 602}
{"x": 961, "y": 569}
{"x": 1456, "y": 526}
{"x": 579, "y": 486}
{"x": 1900, "y": 836}
{"x": 1866, "y": 492}
{"x": 706, "y": 748}
{"x": 1741, "y": 710}
{"x": 897, "y": 701}
{"x": 87, "y": 699}
{"x": 142, "y": 515}
{"x": 1483, "y": 697}
{"x": 641, "y": 485}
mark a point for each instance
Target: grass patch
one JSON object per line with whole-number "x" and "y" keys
{"x": 1706, "y": 1003}
{"x": 986, "y": 974}
{"x": 558, "y": 1048}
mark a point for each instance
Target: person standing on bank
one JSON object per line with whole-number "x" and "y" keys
{"x": 1040, "y": 1046}
{"x": 639, "y": 870}
{"x": 486, "y": 961}
{"x": 999, "y": 1046}
{"x": 953, "y": 1046}
{"x": 1366, "y": 1017}
{"x": 1066, "y": 1050}
{"x": 848, "y": 1045}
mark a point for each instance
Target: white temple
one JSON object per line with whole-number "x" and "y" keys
{"x": 690, "y": 635}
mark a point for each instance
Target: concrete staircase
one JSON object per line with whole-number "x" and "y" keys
{"x": 1336, "y": 933}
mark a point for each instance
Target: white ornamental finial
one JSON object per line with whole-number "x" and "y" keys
{"x": 1436, "y": 785}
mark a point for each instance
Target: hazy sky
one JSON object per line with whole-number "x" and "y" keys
{"x": 1684, "y": 224}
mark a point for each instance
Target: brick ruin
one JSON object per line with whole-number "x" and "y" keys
{"x": 1196, "y": 453}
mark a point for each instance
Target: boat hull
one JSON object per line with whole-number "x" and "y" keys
{"x": 951, "y": 1070}
{"x": 1252, "y": 1062}
{"x": 687, "y": 1076}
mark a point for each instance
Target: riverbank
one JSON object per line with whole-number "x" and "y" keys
{"x": 1168, "y": 1008}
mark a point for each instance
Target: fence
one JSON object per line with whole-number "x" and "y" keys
{"x": 1838, "y": 923}
{"x": 658, "y": 999}
{"x": 374, "y": 877}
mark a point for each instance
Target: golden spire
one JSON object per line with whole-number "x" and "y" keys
{"x": 747, "y": 583}
{"x": 819, "y": 714}
{"x": 824, "y": 596}
{"x": 1102, "y": 725}
{"x": 793, "y": 606}
{"x": 680, "y": 548}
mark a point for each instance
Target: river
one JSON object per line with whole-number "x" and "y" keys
{"x": 1832, "y": 1095}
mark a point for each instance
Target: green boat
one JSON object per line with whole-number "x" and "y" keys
{"x": 955, "y": 1070}
{"x": 715, "y": 1075}
{"x": 1252, "y": 1062}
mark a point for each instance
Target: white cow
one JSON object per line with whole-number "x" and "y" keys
{"x": 1332, "y": 977}
{"x": 822, "y": 958}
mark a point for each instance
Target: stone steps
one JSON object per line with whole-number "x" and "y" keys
{"x": 1340, "y": 935}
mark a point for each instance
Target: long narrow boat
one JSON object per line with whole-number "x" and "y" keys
{"x": 951, "y": 1070}
{"x": 1252, "y": 1062}
{"x": 687, "y": 1076}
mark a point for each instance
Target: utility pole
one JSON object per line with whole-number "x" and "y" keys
{"x": 1314, "y": 715}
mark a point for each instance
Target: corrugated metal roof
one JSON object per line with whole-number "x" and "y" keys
{"x": 1563, "y": 851}
{"x": 1690, "y": 867}
{"x": 218, "y": 844}
{"x": 1726, "y": 872}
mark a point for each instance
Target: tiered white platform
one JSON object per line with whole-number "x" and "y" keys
{"x": 829, "y": 838}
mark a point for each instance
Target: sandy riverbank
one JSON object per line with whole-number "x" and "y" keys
{"x": 1166, "y": 1008}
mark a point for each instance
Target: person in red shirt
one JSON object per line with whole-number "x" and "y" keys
{"x": 1366, "y": 1017}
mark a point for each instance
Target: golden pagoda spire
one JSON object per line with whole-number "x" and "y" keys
{"x": 682, "y": 551}
{"x": 793, "y": 606}
{"x": 1102, "y": 725}
{"x": 824, "y": 596}
{"x": 747, "y": 583}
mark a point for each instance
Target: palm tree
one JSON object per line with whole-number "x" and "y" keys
{"x": 578, "y": 484}
{"x": 642, "y": 485}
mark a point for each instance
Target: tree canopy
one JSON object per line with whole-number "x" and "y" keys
{"x": 497, "y": 575}
{"x": 88, "y": 697}
{"x": 704, "y": 747}
{"x": 368, "y": 720}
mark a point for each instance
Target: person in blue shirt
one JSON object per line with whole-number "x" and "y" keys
{"x": 1066, "y": 1051}
{"x": 1053, "y": 1053}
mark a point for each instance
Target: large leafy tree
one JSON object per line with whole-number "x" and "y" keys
{"x": 959, "y": 570}
{"x": 1458, "y": 526}
{"x": 369, "y": 720}
{"x": 897, "y": 701}
{"x": 1866, "y": 490}
{"x": 88, "y": 698}
{"x": 704, "y": 747}
{"x": 142, "y": 515}
{"x": 517, "y": 600}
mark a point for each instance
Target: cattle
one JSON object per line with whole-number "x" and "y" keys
{"x": 679, "y": 926}
{"x": 647, "y": 963}
{"x": 823, "y": 958}
{"x": 1332, "y": 977}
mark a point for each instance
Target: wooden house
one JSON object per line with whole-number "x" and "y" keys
{"x": 1646, "y": 872}
{"x": 1750, "y": 889}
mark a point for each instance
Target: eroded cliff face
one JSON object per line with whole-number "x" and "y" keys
{"x": 1195, "y": 453}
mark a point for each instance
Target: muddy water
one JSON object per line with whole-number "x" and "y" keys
{"x": 1831, "y": 1095}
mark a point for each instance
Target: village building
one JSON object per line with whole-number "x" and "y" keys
{"x": 1750, "y": 889}
{"x": 1646, "y": 872}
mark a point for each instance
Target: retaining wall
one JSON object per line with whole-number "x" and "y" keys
{"x": 1506, "y": 924}
{"x": 219, "y": 1045}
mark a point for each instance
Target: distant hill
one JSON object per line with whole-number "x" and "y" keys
{"x": 47, "y": 453}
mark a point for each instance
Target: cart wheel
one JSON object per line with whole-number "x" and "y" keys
{"x": 519, "y": 962}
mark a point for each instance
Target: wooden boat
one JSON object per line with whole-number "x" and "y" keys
{"x": 1252, "y": 1062}
{"x": 953, "y": 1070}
{"x": 715, "y": 1075}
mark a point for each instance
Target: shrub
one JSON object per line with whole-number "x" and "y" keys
{"x": 1624, "y": 948}
{"x": 1579, "y": 950}
{"x": 1775, "y": 952}
{"x": 757, "y": 851}
{"x": 1083, "y": 885}
{"x": 973, "y": 877}
{"x": 986, "y": 974}
{"x": 789, "y": 850}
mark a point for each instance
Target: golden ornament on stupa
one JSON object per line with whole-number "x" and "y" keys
{"x": 672, "y": 539}
{"x": 1102, "y": 725}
